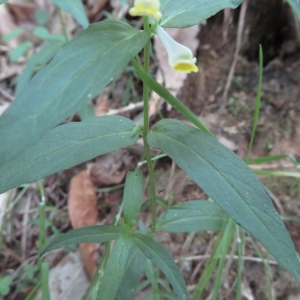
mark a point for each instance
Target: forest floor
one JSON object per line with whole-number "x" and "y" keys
{"x": 228, "y": 115}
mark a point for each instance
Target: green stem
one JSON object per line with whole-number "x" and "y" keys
{"x": 165, "y": 94}
{"x": 146, "y": 128}
{"x": 240, "y": 264}
{"x": 257, "y": 102}
{"x": 63, "y": 24}
{"x": 42, "y": 218}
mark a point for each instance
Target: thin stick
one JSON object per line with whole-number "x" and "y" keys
{"x": 129, "y": 107}
{"x": 236, "y": 53}
{"x": 235, "y": 257}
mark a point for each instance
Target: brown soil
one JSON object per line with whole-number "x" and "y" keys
{"x": 278, "y": 132}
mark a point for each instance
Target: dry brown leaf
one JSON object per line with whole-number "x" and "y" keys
{"x": 90, "y": 258}
{"x": 83, "y": 211}
{"x": 82, "y": 202}
{"x": 110, "y": 168}
{"x": 56, "y": 25}
{"x": 23, "y": 10}
{"x": 102, "y": 107}
{"x": 8, "y": 70}
{"x": 95, "y": 7}
{"x": 7, "y": 25}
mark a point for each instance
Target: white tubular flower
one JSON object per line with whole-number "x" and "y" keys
{"x": 148, "y": 8}
{"x": 180, "y": 57}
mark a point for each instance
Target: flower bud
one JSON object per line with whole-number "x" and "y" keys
{"x": 180, "y": 57}
{"x": 148, "y": 8}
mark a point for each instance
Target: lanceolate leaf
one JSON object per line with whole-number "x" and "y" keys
{"x": 230, "y": 183}
{"x": 75, "y": 8}
{"x": 66, "y": 146}
{"x": 133, "y": 193}
{"x": 192, "y": 216}
{"x": 88, "y": 234}
{"x": 115, "y": 268}
{"x": 76, "y": 74}
{"x": 164, "y": 261}
{"x": 134, "y": 269}
{"x": 181, "y": 14}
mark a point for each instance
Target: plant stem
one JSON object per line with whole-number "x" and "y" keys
{"x": 63, "y": 24}
{"x": 146, "y": 129}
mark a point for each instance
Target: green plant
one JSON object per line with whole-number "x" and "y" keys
{"x": 5, "y": 284}
{"x": 77, "y": 74}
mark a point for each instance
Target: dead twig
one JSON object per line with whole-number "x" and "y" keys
{"x": 122, "y": 110}
{"x": 235, "y": 257}
{"x": 241, "y": 26}
{"x": 6, "y": 95}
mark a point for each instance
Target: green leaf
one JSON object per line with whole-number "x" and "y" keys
{"x": 133, "y": 193}
{"x": 181, "y": 14}
{"x": 66, "y": 146}
{"x": 13, "y": 34}
{"x": 44, "y": 34}
{"x": 87, "y": 234}
{"x": 166, "y": 95}
{"x": 75, "y": 8}
{"x": 75, "y": 75}
{"x": 192, "y": 216}
{"x": 230, "y": 183}
{"x": 45, "y": 281}
{"x": 164, "y": 261}
{"x": 41, "y": 16}
{"x": 19, "y": 51}
{"x": 115, "y": 268}
{"x": 295, "y": 4}
{"x": 133, "y": 271}
{"x": 3, "y": 1}
{"x": 5, "y": 283}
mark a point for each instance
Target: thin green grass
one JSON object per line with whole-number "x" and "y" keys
{"x": 257, "y": 102}
{"x": 241, "y": 244}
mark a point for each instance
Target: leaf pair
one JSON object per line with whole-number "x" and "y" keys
{"x": 128, "y": 242}
{"x": 66, "y": 146}
{"x": 230, "y": 183}
{"x": 76, "y": 74}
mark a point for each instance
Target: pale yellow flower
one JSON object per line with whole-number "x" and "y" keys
{"x": 148, "y": 8}
{"x": 180, "y": 57}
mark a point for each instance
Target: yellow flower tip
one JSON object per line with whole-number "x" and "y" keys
{"x": 185, "y": 67}
{"x": 180, "y": 57}
{"x": 148, "y": 8}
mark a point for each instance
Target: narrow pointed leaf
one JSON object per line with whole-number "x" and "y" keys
{"x": 133, "y": 193}
{"x": 115, "y": 268}
{"x": 164, "y": 261}
{"x": 192, "y": 216}
{"x": 76, "y": 74}
{"x": 133, "y": 272}
{"x": 181, "y": 14}
{"x": 87, "y": 234}
{"x": 66, "y": 146}
{"x": 230, "y": 183}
